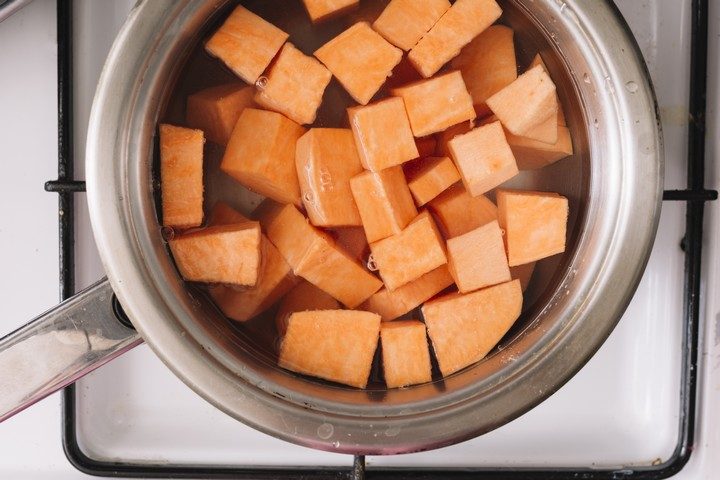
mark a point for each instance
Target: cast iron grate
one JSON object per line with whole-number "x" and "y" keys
{"x": 695, "y": 195}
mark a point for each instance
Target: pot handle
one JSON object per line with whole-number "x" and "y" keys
{"x": 60, "y": 346}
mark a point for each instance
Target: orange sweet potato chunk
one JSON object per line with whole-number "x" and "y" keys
{"x": 463, "y": 328}
{"x": 336, "y": 345}
{"x": 393, "y": 304}
{"x": 220, "y": 254}
{"x": 405, "y": 353}
{"x": 274, "y": 280}
{"x": 523, "y": 273}
{"x": 181, "y": 176}
{"x": 360, "y": 59}
{"x": 465, "y": 20}
{"x": 477, "y": 259}
{"x": 353, "y": 241}
{"x": 430, "y": 177}
{"x": 295, "y": 85}
{"x": 246, "y": 43}
{"x": 535, "y": 224}
{"x": 483, "y": 158}
{"x": 488, "y": 64}
{"x": 457, "y": 212}
{"x": 435, "y": 104}
{"x": 261, "y": 155}
{"x": 326, "y": 159}
{"x": 410, "y": 254}
{"x": 224, "y": 214}
{"x": 382, "y": 134}
{"x": 215, "y": 110}
{"x": 537, "y": 60}
{"x": 526, "y": 103}
{"x": 404, "y": 22}
{"x": 384, "y": 201}
{"x": 444, "y": 137}
{"x": 321, "y": 10}
{"x": 305, "y": 296}
{"x": 287, "y": 229}
{"x": 532, "y": 154}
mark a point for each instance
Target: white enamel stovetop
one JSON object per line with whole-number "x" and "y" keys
{"x": 620, "y": 409}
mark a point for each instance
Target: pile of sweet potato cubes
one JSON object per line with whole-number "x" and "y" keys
{"x": 363, "y": 225}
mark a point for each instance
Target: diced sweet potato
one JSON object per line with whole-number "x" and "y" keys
{"x": 326, "y": 159}
{"x": 483, "y": 158}
{"x": 457, "y": 212}
{"x": 526, "y": 103}
{"x": 410, "y": 254}
{"x": 436, "y": 104}
{"x": 224, "y": 214}
{"x": 314, "y": 255}
{"x": 404, "y": 22}
{"x": 215, "y": 110}
{"x": 477, "y": 259}
{"x": 535, "y": 224}
{"x": 295, "y": 85}
{"x": 463, "y": 328}
{"x": 488, "y": 64}
{"x": 444, "y": 137}
{"x": 321, "y": 10}
{"x": 181, "y": 176}
{"x": 532, "y": 154}
{"x": 391, "y": 305}
{"x": 426, "y": 146}
{"x": 360, "y": 59}
{"x": 305, "y": 296}
{"x": 246, "y": 43}
{"x": 523, "y": 273}
{"x": 405, "y": 353}
{"x": 384, "y": 201}
{"x": 261, "y": 155}
{"x": 274, "y": 281}
{"x": 465, "y": 20}
{"x": 336, "y": 345}
{"x": 354, "y": 242}
{"x": 430, "y": 177}
{"x": 382, "y": 134}
{"x": 221, "y": 254}
{"x": 537, "y": 60}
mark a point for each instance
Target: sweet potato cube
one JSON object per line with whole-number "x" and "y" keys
{"x": 382, "y": 134}
{"x": 305, "y": 296}
{"x": 535, "y": 224}
{"x": 526, "y": 103}
{"x": 410, "y": 254}
{"x": 287, "y": 229}
{"x": 221, "y": 254}
{"x": 384, "y": 201}
{"x": 477, "y": 259}
{"x": 336, "y": 345}
{"x": 295, "y": 85}
{"x": 353, "y": 241}
{"x": 216, "y": 110}
{"x": 181, "y": 176}
{"x": 465, "y": 20}
{"x": 523, "y": 273}
{"x": 261, "y": 155}
{"x": 483, "y": 158}
{"x": 405, "y": 353}
{"x": 457, "y": 212}
{"x": 437, "y": 103}
{"x": 488, "y": 64}
{"x": 537, "y": 60}
{"x": 391, "y": 305}
{"x": 326, "y": 159}
{"x": 274, "y": 280}
{"x": 224, "y": 214}
{"x": 463, "y": 328}
{"x": 532, "y": 154}
{"x": 246, "y": 43}
{"x": 444, "y": 137}
{"x": 321, "y": 10}
{"x": 430, "y": 178}
{"x": 360, "y": 59}
{"x": 404, "y": 22}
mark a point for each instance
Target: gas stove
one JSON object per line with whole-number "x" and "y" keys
{"x": 641, "y": 408}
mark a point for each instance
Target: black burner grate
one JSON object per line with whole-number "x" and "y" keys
{"x": 695, "y": 195}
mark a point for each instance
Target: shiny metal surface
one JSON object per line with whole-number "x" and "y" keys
{"x": 60, "y": 346}
{"x": 8, "y": 7}
{"x": 614, "y": 188}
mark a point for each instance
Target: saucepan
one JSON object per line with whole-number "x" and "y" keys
{"x": 614, "y": 183}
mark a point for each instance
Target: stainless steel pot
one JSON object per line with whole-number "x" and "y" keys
{"x": 614, "y": 184}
